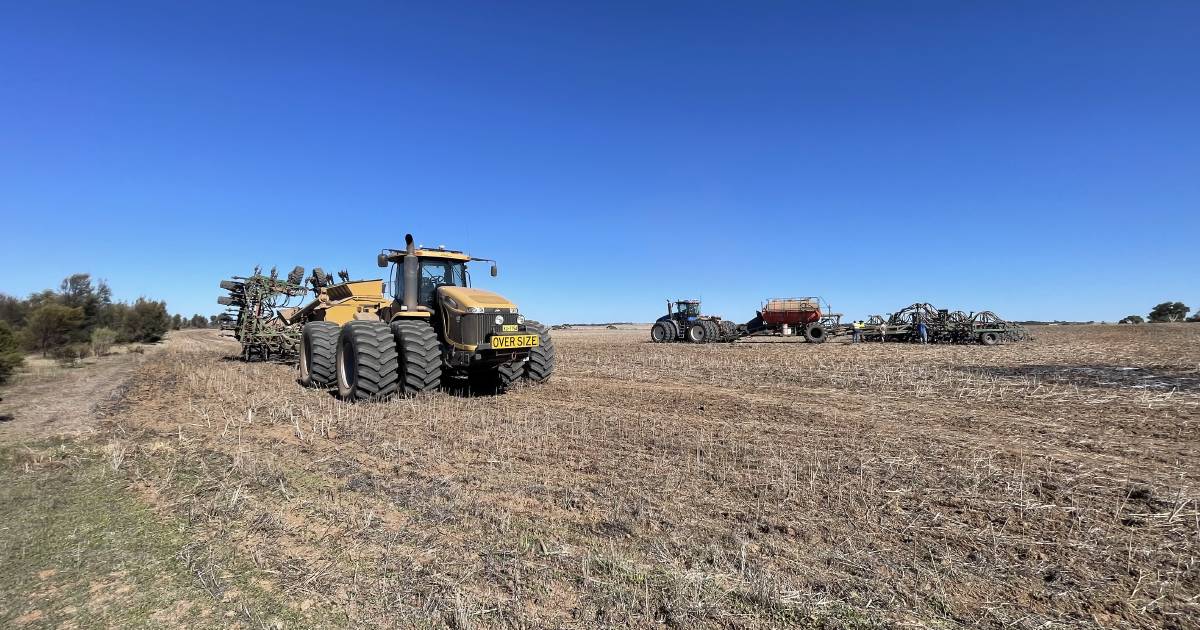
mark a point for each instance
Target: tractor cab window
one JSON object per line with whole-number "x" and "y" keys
{"x": 434, "y": 273}
{"x": 689, "y": 309}
{"x": 439, "y": 273}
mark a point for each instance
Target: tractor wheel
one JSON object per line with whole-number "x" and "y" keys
{"x": 712, "y": 331}
{"x": 672, "y": 330}
{"x": 989, "y": 338}
{"x": 728, "y": 329}
{"x": 507, "y": 374}
{"x": 318, "y": 354}
{"x": 815, "y": 333}
{"x": 420, "y": 356}
{"x": 697, "y": 333}
{"x": 366, "y": 361}
{"x": 541, "y": 357}
{"x": 659, "y": 333}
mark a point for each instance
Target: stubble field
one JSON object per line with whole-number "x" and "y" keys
{"x": 1046, "y": 484}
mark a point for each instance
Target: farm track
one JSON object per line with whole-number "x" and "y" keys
{"x": 741, "y": 486}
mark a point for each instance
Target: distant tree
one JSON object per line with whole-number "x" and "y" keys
{"x": 13, "y": 310}
{"x": 198, "y": 321}
{"x": 10, "y": 353}
{"x": 50, "y": 325}
{"x": 146, "y": 321}
{"x": 42, "y": 298}
{"x": 103, "y": 340}
{"x": 1169, "y": 312}
{"x": 79, "y": 291}
{"x": 213, "y": 321}
{"x": 176, "y": 321}
{"x": 1132, "y": 319}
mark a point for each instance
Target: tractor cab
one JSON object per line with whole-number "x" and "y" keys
{"x": 687, "y": 310}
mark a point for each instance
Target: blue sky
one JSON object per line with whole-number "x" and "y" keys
{"x": 1037, "y": 159}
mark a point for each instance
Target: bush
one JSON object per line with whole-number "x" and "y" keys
{"x": 1132, "y": 319}
{"x": 49, "y": 325}
{"x": 69, "y": 355}
{"x": 146, "y": 321}
{"x": 103, "y": 340}
{"x": 10, "y": 353}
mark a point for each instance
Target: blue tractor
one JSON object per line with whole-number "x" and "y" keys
{"x": 683, "y": 322}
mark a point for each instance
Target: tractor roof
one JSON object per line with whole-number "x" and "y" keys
{"x": 396, "y": 255}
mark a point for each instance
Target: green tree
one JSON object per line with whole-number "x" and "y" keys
{"x": 198, "y": 321}
{"x": 145, "y": 321}
{"x": 10, "y": 354}
{"x": 80, "y": 291}
{"x": 1169, "y": 312}
{"x": 51, "y": 325}
{"x": 1132, "y": 319}
{"x": 176, "y": 321}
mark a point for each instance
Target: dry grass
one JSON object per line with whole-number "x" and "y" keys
{"x": 1048, "y": 484}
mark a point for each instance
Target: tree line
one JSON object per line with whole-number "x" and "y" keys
{"x": 77, "y": 320}
{"x": 1164, "y": 312}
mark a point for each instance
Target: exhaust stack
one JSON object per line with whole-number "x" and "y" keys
{"x": 412, "y": 273}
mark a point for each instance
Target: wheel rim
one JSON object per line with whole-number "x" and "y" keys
{"x": 304, "y": 370}
{"x": 345, "y": 367}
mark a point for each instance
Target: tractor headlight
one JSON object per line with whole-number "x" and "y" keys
{"x": 499, "y": 319}
{"x": 520, "y": 319}
{"x": 474, "y": 309}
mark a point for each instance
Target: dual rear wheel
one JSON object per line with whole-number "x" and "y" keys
{"x": 370, "y": 360}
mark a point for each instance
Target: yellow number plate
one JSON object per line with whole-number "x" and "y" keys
{"x": 508, "y": 328}
{"x": 505, "y": 342}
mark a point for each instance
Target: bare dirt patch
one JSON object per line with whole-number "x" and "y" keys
{"x": 51, "y": 401}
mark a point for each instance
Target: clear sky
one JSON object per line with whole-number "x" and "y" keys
{"x": 1040, "y": 159}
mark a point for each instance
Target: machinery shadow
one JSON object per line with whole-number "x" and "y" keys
{"x": 1098, "y": 376}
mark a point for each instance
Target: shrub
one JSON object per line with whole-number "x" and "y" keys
{"x": 69, "y": 355}
{"x": 49, "y": 325}
{"x": 146, "y": 321}
{"x": 103, "y": 340}
{"x": 10, "y": 353}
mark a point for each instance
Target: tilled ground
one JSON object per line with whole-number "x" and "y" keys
{"x": 1052, "y": 483}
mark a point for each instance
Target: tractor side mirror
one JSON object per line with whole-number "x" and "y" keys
{"x": 494, "y": 270}
{"x": 381, "y": 260}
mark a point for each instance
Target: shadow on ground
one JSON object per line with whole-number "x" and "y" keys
{"x": 1097, "y": 376}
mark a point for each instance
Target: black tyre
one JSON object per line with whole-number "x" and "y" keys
{"x": 659, "y": 333}
{"x": 540, "y": 365}
{"x": 318, "y": 354}
{"x": 815, "y": 333}
{"x": 366, "y": 361}
{"x": 507, "y": 374}
{"x": 672, "y": 329}
{"x": 728, "y": 329}
{"x": 697, "y": 333}
{"x": 420, "y": 356}
{"x": 712, "y": 331}
{"x": 989, "y": 338}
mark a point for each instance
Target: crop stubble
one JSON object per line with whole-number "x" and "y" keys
{"x": 751, "y": 484}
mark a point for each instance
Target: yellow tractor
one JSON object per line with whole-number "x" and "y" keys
{"x": 377, "y": 339}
